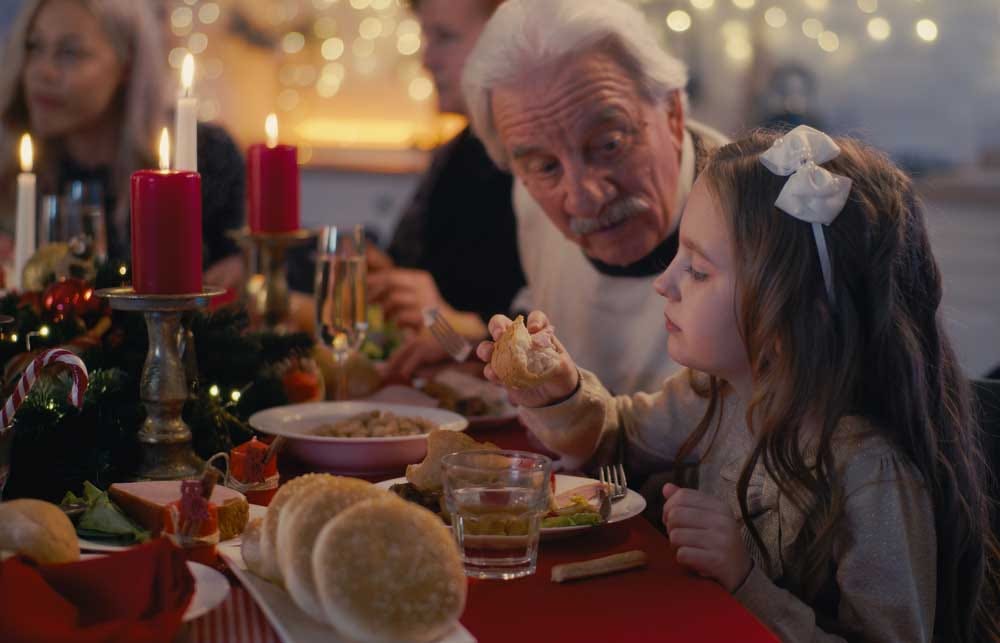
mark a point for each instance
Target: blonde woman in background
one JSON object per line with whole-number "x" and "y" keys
{"x": 87, "y": 79}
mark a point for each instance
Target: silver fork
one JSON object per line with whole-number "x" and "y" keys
{"x": 613, "y": 475}
{"x": 453, "y": 343}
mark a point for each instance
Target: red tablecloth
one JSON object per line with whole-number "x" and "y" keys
{"x": 660, "y": 602}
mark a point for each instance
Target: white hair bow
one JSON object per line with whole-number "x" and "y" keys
{"x": 811, "y": 194}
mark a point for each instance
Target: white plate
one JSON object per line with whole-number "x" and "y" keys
{"x": 256, "y": 511}
{"x": 210, "y": 589}
{"x": 351, "y": 456}
{"x": 628, "y": 507}
{"x": 291, "y": 623}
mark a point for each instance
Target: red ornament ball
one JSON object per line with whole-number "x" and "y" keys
{"x": 69, "y": 297}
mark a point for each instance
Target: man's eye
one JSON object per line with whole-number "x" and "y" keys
{"x": 543, "y": 167}
{"x": 697, "y": 276}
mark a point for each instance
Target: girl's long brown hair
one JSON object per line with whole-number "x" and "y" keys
{"x": 880, "y": 353}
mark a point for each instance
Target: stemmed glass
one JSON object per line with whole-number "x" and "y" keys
{"x": 341, "y": 298}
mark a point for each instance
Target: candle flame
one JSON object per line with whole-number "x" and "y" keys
{"x": 27, "y": 154}
{"x": 187, "y": 74}
{"x": 271, "y": 127}
{"x": 164, "y": 150}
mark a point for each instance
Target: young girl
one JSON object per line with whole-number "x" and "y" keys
{"x": 841, "y": 490}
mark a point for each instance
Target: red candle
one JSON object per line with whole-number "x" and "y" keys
{"x": 272, "y": 184}
{"x": 166, "y": 230}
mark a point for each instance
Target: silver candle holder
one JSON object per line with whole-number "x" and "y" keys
{"x": 165, "y": 439}
{"x": 266, "y": 297}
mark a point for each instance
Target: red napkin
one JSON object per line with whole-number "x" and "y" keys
{"x": 138, "y": 595}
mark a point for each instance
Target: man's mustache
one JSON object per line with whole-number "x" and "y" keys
{"x": 613, "y": 214}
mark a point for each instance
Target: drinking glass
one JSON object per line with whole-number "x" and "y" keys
{"x": 497, "y": 500}
{"x": 341, "y": 297}
{"x": 76, "y": 218}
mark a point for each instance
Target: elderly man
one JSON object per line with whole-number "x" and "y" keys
{"x": 578, "y": 100}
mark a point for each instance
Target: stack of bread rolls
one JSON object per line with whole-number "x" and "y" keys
{"x": 359, "y": 559}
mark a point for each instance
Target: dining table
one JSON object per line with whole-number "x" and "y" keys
{"x": 659, "y": 602}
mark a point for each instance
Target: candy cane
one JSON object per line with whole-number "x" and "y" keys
{"x": 51, "y": 356}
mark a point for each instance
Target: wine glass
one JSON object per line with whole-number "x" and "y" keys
{"x": 341, "y": 298}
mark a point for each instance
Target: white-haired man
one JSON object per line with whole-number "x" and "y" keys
{"x": 579, "y": 101}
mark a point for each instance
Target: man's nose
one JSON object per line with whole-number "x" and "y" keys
{"x": 587, "y": 193}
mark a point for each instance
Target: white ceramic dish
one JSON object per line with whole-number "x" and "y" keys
{"x": 256, "y": 511}
{"x": 350, "y": 456}
{"x": 291, "y": 623}
{"x": 399, "y": 394}
{"x": 210, "y": 589}
{"x": 628, "y": 507}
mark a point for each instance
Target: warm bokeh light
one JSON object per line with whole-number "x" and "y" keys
{"x": 27, "y": 153}
{"x": 829, "y": 41}
{"x": 812, "y": 27}
{"x": 679, "y": 20}
{"x": 408, "y": 44}
{"x": 868, "y": 6}
{"x": 370, "y": 28}
{"x": 293, "y": 42}
{"x": 879, "y": 29}
{"x": 776, "y": 17}
{"x": 744, "y": 4}
{"x": 332, "y": 48}
{"x": 703, "y": 4}
{"x": 208, "y": 13}
{"x": 817, "y": 5}
{"x": 927, "y": 30}
{"x": 164, "y": 150}
{"x": 739, "y": 49}
{"x": 271, "y": 129}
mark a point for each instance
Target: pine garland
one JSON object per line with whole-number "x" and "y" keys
{"x": 56, "y": 448}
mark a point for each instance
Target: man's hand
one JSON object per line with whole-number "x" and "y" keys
{"x": 418, "y": 351}
{"x": 557, "y": 387}
{"x": 706, "y": 535}
{"x": 403, "y": 294}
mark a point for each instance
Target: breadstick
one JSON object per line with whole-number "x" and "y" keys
{"x": 599, "y": 566}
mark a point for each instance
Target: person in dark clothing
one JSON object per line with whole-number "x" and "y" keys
{"x": 222, "y": 196}
{"x": 87, "y": 80}
{"x": 459, "y": 229}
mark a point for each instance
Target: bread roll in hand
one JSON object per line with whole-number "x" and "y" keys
{"x": 528, "y": 360}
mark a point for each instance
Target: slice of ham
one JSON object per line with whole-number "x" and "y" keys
{"x": 590, "y": 492}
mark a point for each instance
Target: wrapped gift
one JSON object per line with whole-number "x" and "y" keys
{"x": 253, "y": 471}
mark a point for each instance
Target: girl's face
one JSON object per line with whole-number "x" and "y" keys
{"x": 700, "y": 288}
{"x": 71, "y": 72}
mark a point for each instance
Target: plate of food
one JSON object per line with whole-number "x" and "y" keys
{"x": 482, "y": 403}
{"x": 356, "y": 438}
{"x": 337, "y": 559}
{"x": 130, "y": 513}
{"x": 576, "y": 504}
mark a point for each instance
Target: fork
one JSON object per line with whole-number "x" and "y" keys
{"x": 453, "y": 343}
{"x": 614, "y": 477}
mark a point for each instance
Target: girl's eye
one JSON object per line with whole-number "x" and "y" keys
{"x": 697, "y": 276}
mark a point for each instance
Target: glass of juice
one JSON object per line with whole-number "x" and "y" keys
{"x": 496, "y": 500}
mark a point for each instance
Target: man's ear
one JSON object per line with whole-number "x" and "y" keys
{"x": 675, "y": 117}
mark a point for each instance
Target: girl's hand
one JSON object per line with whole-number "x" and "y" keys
{"x": 706, "y": 535}
{"x": 558, "y": 386}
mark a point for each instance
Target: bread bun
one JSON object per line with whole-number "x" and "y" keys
{"x": 388, "y": 570}
{"x": 39, "y": 530}
{"x": 269, "y": 568}
{"x": 250, "y": 545}
{"x": 426, "y": 476}
{"x": 304, "y": 515}
{"x": 522, "y": 360}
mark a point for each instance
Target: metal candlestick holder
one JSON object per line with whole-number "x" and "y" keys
{"x": 165, "y": 439}
{"x": 266, "y": 297}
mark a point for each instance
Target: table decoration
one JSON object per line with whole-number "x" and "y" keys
{"x": 24, "y": 235}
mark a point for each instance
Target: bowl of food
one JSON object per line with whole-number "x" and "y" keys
{"x": 356, "y": 438}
